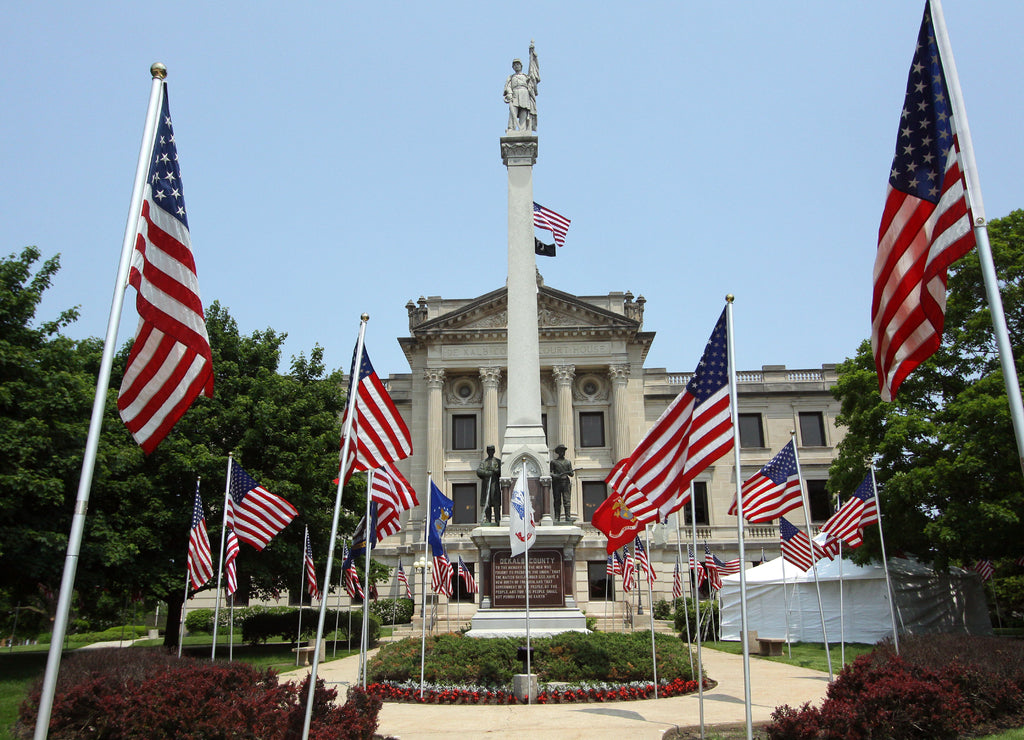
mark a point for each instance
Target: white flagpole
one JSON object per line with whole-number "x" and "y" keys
{"x": 345, "y": 446}
{"x": 650, "y": 601}
{"x": 426, "y": 559}
{"x": 733, "y": 407}
{"x": 842, "y": 615}
{"x": 181, "y": 627}
{"x": 371, "y": 537}
{"x": 302, "y": 583}
{"x": 220, "y": 566}
{"x": 885, "y": 562}
{"x": 785, "y": 599}
{"x": 527, "y": 518}
{"x": 988, "y": 270}
{"x": 679, "y": 566}
{"x": 695, "y": 590}
{"x": 337, "y": 613}
{"x": 67, "y": 584}
{"x": 231, "y": 628}
{"x": 814, "y": 556}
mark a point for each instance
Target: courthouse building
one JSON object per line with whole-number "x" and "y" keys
{"x": 598, "y": 399}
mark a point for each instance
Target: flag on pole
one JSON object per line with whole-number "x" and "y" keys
{"x": 441, "y": 575}
{"x": 677, "y": 582}
{"x": 609, "y": 567}
{"x": 985, "y": 569}
{"x": 642, "y": 561}
{"x": 543, "y": 250}
{"x": 773, "y": 490}
{"x": 256, "y": 514}
{"x": 393, "y": 495}
{"x": 522, "y": 530}
{"x": 618, "y": 567}
{"x": 545, "y": 218}
{"x": 200, "y": 562}
{"x": 230, "y": 556}
{"x": 359, "y": 536}
{"x": 612, "y": 516}
{"x": 314, "y": 592}
{"x": 351, "y": 580}
{"x": 696, "y": 566}
{"x": 848, "y": 523}
{"x": 727, "y": 567}
{"x": 467, "y": 577}
{"x": 628, "y": 572}
{"x": 170, "y": 362}
{"x": 379, "y": 435}
{"x": 693, "y": 432}
{"x": 404, "y": 580}
{"x": 795, "y": 546}
{"x": 440, "y": 513}
{"x": 926, "y": 223}
{"x": 711, "y": 566}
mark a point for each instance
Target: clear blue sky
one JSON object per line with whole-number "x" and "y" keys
{"x": 343, "y": 157}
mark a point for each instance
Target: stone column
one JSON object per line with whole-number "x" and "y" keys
{"x": 435, "y": 424}
{"x": 490, "y": 378}
{"x": 619, "y": 375}
{"x": 564, "y": 375}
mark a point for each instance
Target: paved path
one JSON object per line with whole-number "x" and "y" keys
{"x": 772, "y": 684}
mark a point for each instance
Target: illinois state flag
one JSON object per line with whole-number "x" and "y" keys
{"x": 522, "y": 532}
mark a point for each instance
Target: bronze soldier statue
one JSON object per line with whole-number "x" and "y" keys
{"x": 561, "y": 471}
{"x": 489, "y": 471}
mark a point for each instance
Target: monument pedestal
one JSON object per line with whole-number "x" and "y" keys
{"x": 553, "y": 609}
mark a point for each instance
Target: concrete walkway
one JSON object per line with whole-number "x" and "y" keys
{"x": 772, "y": 684}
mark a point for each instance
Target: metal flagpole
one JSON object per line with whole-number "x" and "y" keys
{"x": 345, "y": 446}
{"x": 302, "y": 583}
{"x": 426, "y": 559}
{"x": 371, "y": 537}
{"x": 988, "y": 270}
{"x": 734, "y": 412}
{"x": 527, "y": 517}
{"x": 679, "y": 570}
{"x": 695, "y": 590}
{"x": 885, "y": 562}
{"x": 650, "y": 600}
{"x": 814, "y": 555}
{"x": 785, "y": 599}
{"x": 67, "y": 584}
{"x": 231, "y": 628}
{"x": 181, "y": 627}
{"x": 337, "y": 612}
{"x": 842, "y": 615}
{"x": 220, "y": 567}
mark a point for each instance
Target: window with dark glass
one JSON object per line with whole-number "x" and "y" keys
{"x": 751, "y": 431}
{"x": 463, "y": 431}
{"x": 700, "y": 504}
{"x": 600, "y": 586}
{"x": 591, "y": 429}
{"x": 464, "y": 500}
{"x": 459, "y": 592}
{"x": 812, "y": 429}
{"x": 594, "y": 492}
{"x": 820, "y": 501}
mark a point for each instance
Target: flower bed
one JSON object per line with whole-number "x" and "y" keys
{"x": 409, "y": 691}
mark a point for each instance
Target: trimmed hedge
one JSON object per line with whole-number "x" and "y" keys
{"x": 261, "y": 623}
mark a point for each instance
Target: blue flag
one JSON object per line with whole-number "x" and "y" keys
{"x": 440, "y": 512}
{"x": 359, "y": 536}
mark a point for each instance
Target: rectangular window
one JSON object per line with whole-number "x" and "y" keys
{"x": 812, "y": 429}
{"x": 594, "y": 492}
{"x": 591, "y": 429}
{"x": 821, "y": 504}
{"x": 459, "y": 592}
{"x": 751, "y": 432}
{"x": 600, "y": 586}
{"x": 700, "y": 503}
{"x": 463, "y": 431}
{"x": 464, "y": 498}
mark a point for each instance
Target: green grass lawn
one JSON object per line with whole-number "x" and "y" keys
{"x": 804, "y": 654}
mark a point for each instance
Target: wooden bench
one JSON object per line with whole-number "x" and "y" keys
{"x": 770, "y": 647}
{"x": 305, "y": 653}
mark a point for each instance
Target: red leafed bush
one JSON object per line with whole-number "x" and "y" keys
{"x": 115, "y": 694}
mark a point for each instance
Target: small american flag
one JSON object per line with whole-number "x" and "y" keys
{"x": 773, "y": 490}
{"x": 696, "y": 566}
{"x": 609, "y": 567}
{"x": 795, "y": 546}
{"x": 441, "y": 575}
{"x": 642, "y": 561}
{"x": 727, "y": 567}
{"x": 170, "y": 362}
{"x": 628, "y": 572}
{"x": 404, "y": 580}
{"x": 230, "y": 567}
{"x": 985, "y": 569}
{"x": 200, "y": 562}
{"x": 352, "y": 585}
{"x": 545, "y": 218}
{"x": 677, "y": 582}
{"x": 314, "y": 592}
{"x": 848, "y": 523}
{"x": 257, "y": 515}
{"x": 467, "y": 577}
{"x": 618, "y": 567}
{"x": 711, "y": 566}
{"x": 926, "y": 223}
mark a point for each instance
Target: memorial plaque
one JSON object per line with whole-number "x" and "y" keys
{"x": 509, "y": 579}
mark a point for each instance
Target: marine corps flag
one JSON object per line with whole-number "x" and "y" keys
{"x": 616, "y": 521}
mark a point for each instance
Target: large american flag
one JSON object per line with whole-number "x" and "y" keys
{"x": 557, "y": 224}
{"x": 170, "y": 362}
{"x": 200, "y": 562}
{"x": 393, "y": 494}
{"x": 795, "y": 546}
{"x": 773, "y": 490}
{"x": 848, "y": 523}
{"x": 310, "y": 568}
{"x": 694, "y": 431}
{"x": 230, "y": 556}
{"x": 379, "y": 435}
{"x": 256, "y": 514}
{"x": 926, "y": 223}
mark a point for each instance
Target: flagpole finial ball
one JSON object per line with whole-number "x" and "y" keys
{"x": 159, "y": 71}
{"x": 729, "y": 298}
{"x": 365, "y": 317}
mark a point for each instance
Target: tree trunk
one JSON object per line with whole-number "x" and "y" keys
{"x": 174, "y": 603}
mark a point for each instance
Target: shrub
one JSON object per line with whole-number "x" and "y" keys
{"x": 150, "y": 694}
{"x": 397, "y": 610}
{"x": 667, "y": 609}
{"x": 689, "y": 613}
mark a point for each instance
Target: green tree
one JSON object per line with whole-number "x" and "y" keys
{"x": 947, "y": 459}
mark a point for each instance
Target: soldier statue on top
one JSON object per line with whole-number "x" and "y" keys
{"x": 489, "y": 471}
{"x": 561, "y": 472}
{"x": 521, "y": 95}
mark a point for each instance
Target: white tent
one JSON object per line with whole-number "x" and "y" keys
{"x": 927, "y": 601}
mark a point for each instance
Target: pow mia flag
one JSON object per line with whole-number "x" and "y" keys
{"x": 544, "y": 250}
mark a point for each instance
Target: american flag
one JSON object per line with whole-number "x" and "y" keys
{"x": 441, "y": 575}
{"x": 642, "y": 561}
{"x": 379, "y": 435}
{"x": 628, "y": 572}
{"x": 170, "y": 362}
{"x": 352, "y": 585}
{"x": 693, "y": 432}
{"x": 393, "y": 495}
{"x": 200, "y": 562}
{"x": 795, "y": 546}
{"x": 773, "y": 490}
{"x": 711, "y": 566}
{"x": 696, "y": 566}
{"x": 310, "y": 568}
{"x": 256, "y": 514}
{"x": 230, "y": 567}
{"x": 926, "y": 223}
{"x": 848, "y": 523}
{"x": 467, "y": 577}
{"x": 609, "y": 567}
{"x": 618, "y": 567}
{"x": 545, "y": 218}
{"x": 727, "y": 567}
{"x": 985, "y": 569}
{"x": 404, "y": 580}
{"x": 677, "y": 582}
